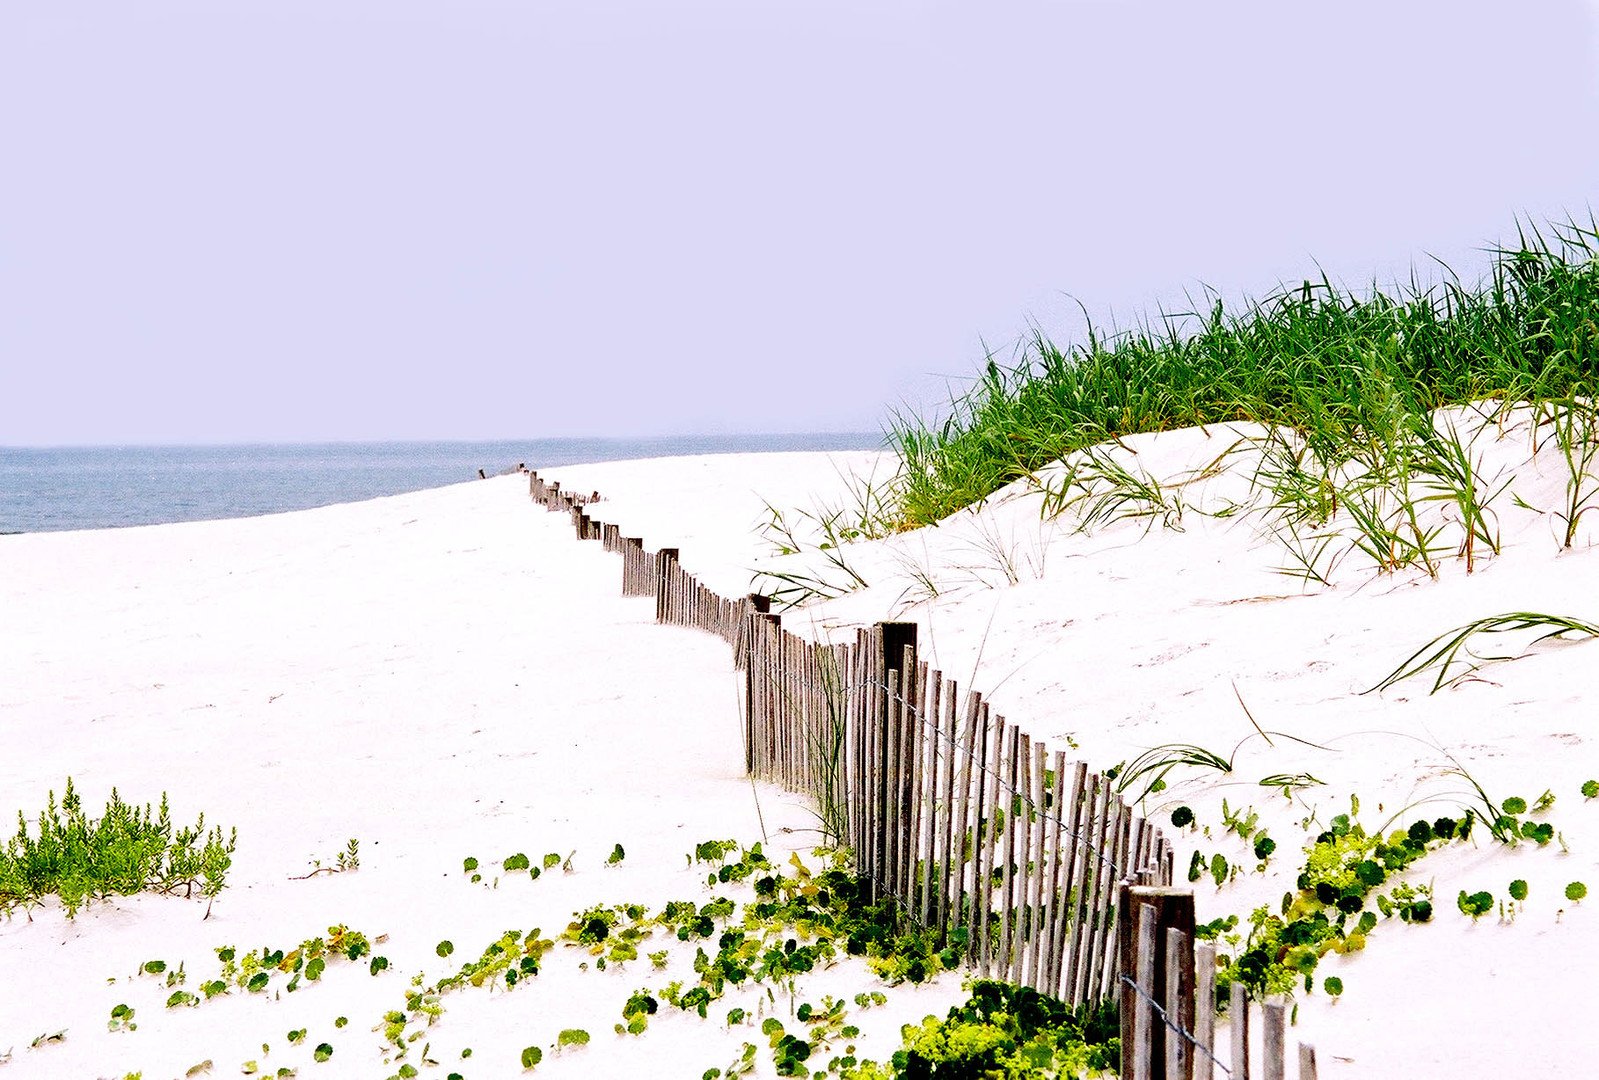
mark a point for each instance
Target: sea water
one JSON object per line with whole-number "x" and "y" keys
{"x": 106, "y": 486}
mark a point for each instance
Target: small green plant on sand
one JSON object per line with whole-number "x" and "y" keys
{"x": 254, "y": 971}
{"x": 1345, "y": 869}
{"x": 125, "y": 850}
{"x": 122, "y": 1018}
{"x": 636, "y": 1013}
{"x": 347, "y": 860}
{"x": 797, "y": 921}
{"x": 1475, "y": 904}
{"x": 742, "y": 1065}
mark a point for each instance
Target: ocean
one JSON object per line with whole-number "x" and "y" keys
{"x": 50, "y": 489}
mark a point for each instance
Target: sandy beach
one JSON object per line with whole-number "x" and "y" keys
{"x": 439, "y": 675}
{"x": 448, "y": 675}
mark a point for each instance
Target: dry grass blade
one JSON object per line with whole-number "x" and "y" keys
{"x": 1158, "y": 761}
{"x": 1444, "y": 652}
{"x": 1110, "y": 492}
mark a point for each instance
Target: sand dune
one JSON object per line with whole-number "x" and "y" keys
{"x": 448, "y": 674}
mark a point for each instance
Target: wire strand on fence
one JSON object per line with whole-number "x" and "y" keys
{"x": 1051, "y": 817}
{"x": 1001, "y": 783}
{"x": 1186, "y": 1035}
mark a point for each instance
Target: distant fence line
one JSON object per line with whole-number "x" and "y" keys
{"x": 977, "y": 832}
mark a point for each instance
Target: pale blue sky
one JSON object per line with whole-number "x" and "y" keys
{"x": 234, "y": 220}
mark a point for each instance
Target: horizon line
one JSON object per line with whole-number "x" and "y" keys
{"x": 245, "y": 443}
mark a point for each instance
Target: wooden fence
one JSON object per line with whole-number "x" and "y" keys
{"x": 978, "y": 833}
{"x": 1167, "y": 985}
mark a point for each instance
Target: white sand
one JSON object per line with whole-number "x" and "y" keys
{"x": 449, "y": 674}
{"x": 438, "y": 675}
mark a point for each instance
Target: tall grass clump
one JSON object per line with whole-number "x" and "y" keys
{"x": 1577, "y": 436}
{"x": 1330, "y": 365}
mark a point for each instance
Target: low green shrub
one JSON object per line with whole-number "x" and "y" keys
{"x": 126, "y": 850}
{"x": 1005, "y": 1031}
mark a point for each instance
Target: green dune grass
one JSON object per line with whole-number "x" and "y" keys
{"x": 1319, "y": 359}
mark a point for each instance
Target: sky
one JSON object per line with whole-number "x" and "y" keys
{"x": 299, "y": 220}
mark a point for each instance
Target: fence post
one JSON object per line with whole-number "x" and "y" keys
{"x": 1205, "y": 1010}
{"x": 1173, "y": 909}
{"x": 665, "y": 561}
{"x": 1178, "y": 1001}
{"x": 632, "y": 561}
{"x": 899, "y": 656}
{"x": 754, "y": 681}
{"x": 1238, "y": 1006}
{"x": 1145, "y": 1032}
{"x": 1273, "y": 1042}
{"x": 753, "y": 604}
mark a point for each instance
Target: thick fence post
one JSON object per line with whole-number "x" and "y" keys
{"x": 1173, "y": 909}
